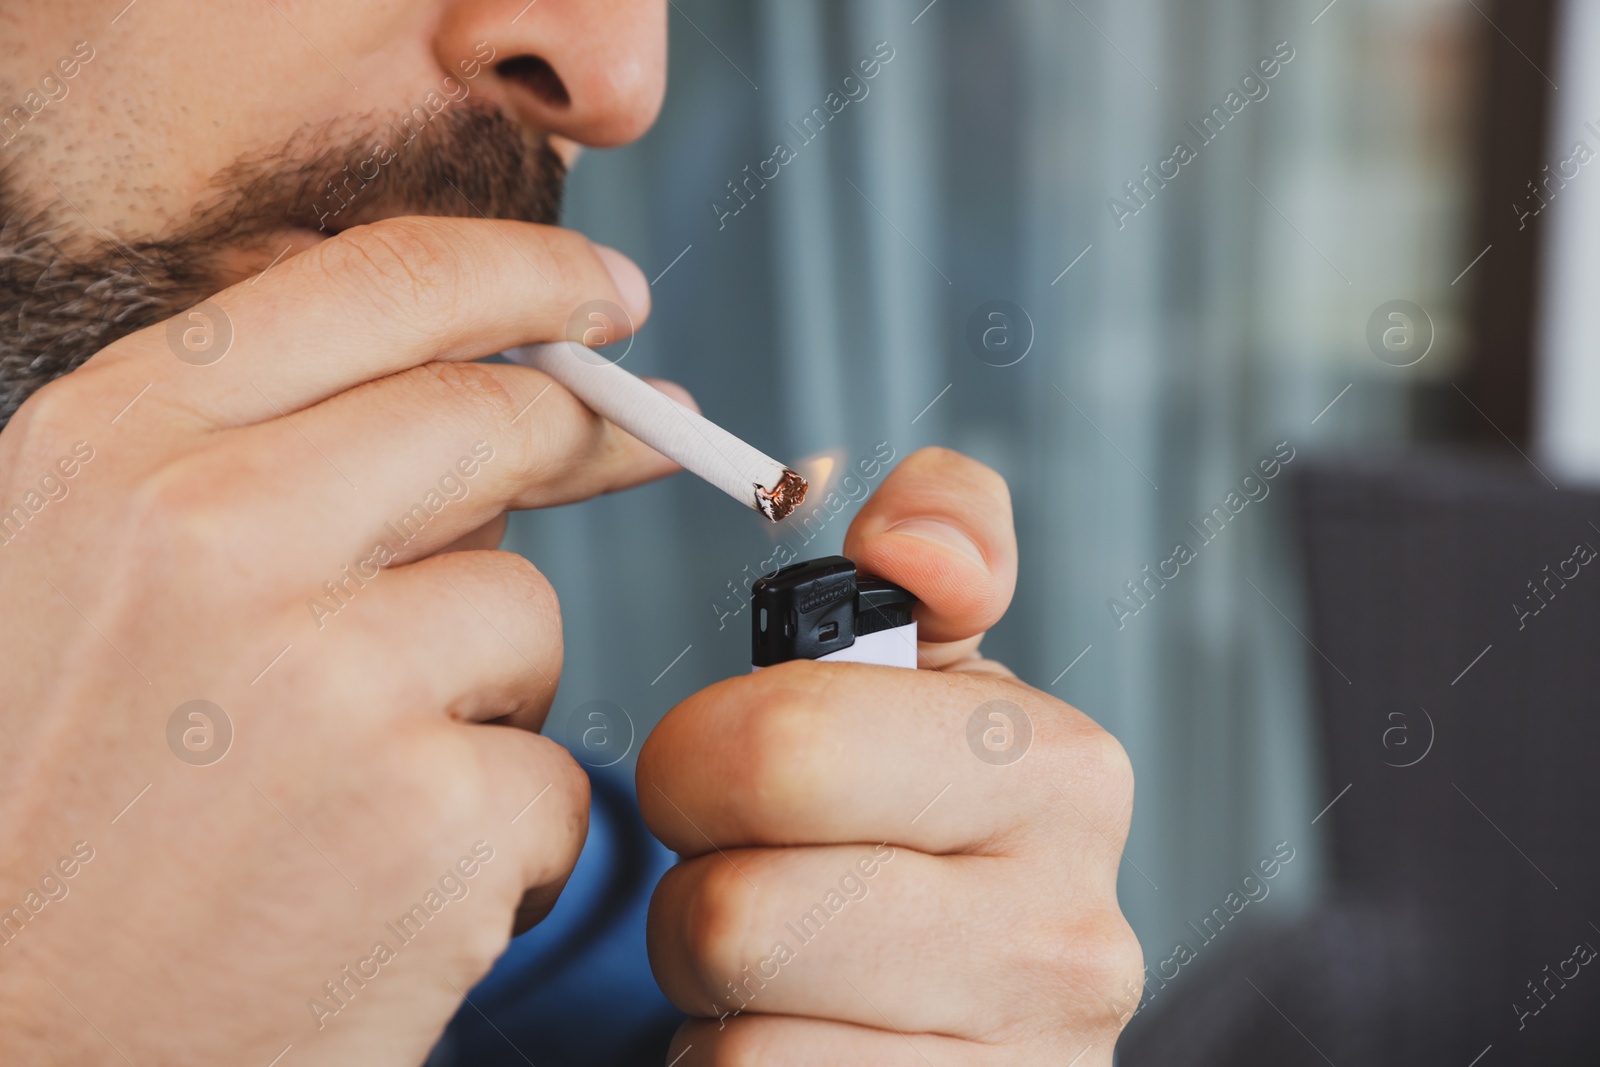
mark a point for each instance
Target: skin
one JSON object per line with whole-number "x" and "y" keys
{"x": 993, "y": 932}
{"x": 394, "y": 738}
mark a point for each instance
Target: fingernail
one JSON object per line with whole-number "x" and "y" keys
{"x": 629, "y": 280}
{"x": 942, "y": 534}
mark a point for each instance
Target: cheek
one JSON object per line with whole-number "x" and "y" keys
{"x": 256, "y": 97}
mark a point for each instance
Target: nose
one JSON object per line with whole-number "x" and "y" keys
{"x": 593, "y": 71}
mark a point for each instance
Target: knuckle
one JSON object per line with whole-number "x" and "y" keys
{"x": 526, "y": 583}
{"x": 547, "y": 760}
{"x": 1106, "y": 763}
{"x": 567, "y": 818}
{"x": 572, "y": 782}
{"x": 1109, "y": 970}
{"x": 405, "y": 265}
{"x": 477, "y": 389}
{"x": 780, "y": 761}
{"x": 1086, "y": 756}
{"x": 564, "y": 256}
{"x": 716, "y": 922}
{"x": 182, "y": 513}
{"x": 1093, "y": 969}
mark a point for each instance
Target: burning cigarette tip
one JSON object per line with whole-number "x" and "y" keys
{"x": 677, "y": 432}
{"x": 779, "y": 502}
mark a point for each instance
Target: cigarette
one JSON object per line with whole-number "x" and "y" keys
{"x": 691, "y": 440}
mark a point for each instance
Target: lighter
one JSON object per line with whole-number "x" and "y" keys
{"x": 821, "y": 609}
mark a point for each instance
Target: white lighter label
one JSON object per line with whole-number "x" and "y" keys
{"x": 886, "y": 648}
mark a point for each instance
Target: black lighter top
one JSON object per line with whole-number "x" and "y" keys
{"x": 815, "y": 609}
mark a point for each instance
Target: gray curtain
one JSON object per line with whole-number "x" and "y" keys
{"x": 1185, "y": 342}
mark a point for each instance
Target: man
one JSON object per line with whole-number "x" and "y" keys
{"x": 177, "y": 481}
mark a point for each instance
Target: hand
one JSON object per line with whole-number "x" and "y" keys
{"x": 891, "y": 867}
{"x": 266, "y": 533}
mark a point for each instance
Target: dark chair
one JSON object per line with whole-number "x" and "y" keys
{"x": 1465, "y": 865}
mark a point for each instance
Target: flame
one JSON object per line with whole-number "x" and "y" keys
{"x": 819, "y": 469}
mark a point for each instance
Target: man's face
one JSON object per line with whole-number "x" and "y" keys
{"x": 153, "y": 152}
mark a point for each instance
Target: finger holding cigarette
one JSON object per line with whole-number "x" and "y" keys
{"x": 678, "y": 432}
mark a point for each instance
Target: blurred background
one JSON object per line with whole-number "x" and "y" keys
{"x": 1374, "y": 268}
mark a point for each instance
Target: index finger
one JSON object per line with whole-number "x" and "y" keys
{"x": 375, "y": 300}
{"x": 809, "y": 753}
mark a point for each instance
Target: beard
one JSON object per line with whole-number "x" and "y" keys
{"x": 63, "y": 299}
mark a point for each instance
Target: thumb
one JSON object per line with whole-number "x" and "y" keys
{"x": 940, "y": 525}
